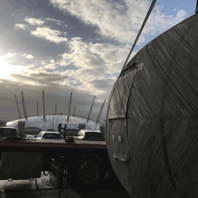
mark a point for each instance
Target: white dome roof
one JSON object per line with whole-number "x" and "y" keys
{"x": 52, "y": 121}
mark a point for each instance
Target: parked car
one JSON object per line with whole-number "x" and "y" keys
{"x": 89, "y": 135}
{"x": 49, "y": 135}
{"x": 8, "y": 132}
{"x": 30, "y": 136}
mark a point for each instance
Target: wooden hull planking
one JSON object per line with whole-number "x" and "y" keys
{"x": 152, "y": 117}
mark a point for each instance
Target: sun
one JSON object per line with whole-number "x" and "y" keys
{"x": 7, "y": 69}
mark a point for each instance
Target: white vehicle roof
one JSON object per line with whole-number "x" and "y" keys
{"x": 53, "y": 132}
{"x": 95, "y": 131}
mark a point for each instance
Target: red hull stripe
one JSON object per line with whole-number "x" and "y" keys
{"x": 47, "y": 145}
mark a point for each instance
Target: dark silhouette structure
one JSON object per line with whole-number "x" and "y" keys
{"x": 152, "y": 117}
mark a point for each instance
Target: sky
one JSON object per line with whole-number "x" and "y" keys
{"x": 64, "y": 46}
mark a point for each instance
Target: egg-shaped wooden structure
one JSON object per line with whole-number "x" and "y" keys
{"x": 152, "y": 117}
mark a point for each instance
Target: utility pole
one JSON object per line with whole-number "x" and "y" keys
{"x": 37, "y": 109}
{"x": 43, "y": 105}
{"x": 69, "y": 107}
{"x": 90, "y": 109}
{"x": 17, "y": 107}
{"x": 100, "y": 112}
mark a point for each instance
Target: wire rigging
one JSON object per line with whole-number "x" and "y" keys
{"x": 140, "y": 31}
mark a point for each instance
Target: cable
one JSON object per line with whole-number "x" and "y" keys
{"x": 140, "y": 31}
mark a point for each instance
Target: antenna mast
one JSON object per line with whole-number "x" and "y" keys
{"x": 43, "y": 105}
{"x": 100, "y": 112}
{"x": 90, "y": 109}
{"x": 74, "y": 110}
{"x": 37, "y": 109}
{"x": 24, "y": 107}
{"x": 17, "y": 107}
{"x": 69, "y": 106}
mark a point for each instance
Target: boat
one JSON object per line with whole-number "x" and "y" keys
{"x": 152, "y": 117}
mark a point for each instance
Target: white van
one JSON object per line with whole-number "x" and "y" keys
{"x": 89, "y": 135}
{"x": 49, "y": 135}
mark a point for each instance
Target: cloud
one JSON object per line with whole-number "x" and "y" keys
{"x": 49, "y": 34}
{"x": 160, "y": 22}
{"x": 108, "y": 57}
{"x": 42, "y": 21}
{"x": 32, "y": 68}
{"x": 102, "y": 84}
{"x": 28, "y": 56}
{"x": 34, "y": 21}
{"x": 82, "y": 81}
{"x": 120, "y": 20}
{"x": 89, "y": 63}
{"x": 79, "y": 55}
{"x": 18, "y": 59}
{"x": 94, "y": 65}
{"x": 58, "y": 22}
{"x": 51, "y": 65}
{"x": 38, "y": 77}
{"x": 49, "y": 77}
{"x": 43, "y": 62}
{"x": 90, "y": 81}
{"x": 8, "y": 55}
{"x": 20, "y": 26}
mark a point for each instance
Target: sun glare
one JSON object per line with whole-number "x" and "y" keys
{"x": 6, "y": 69}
